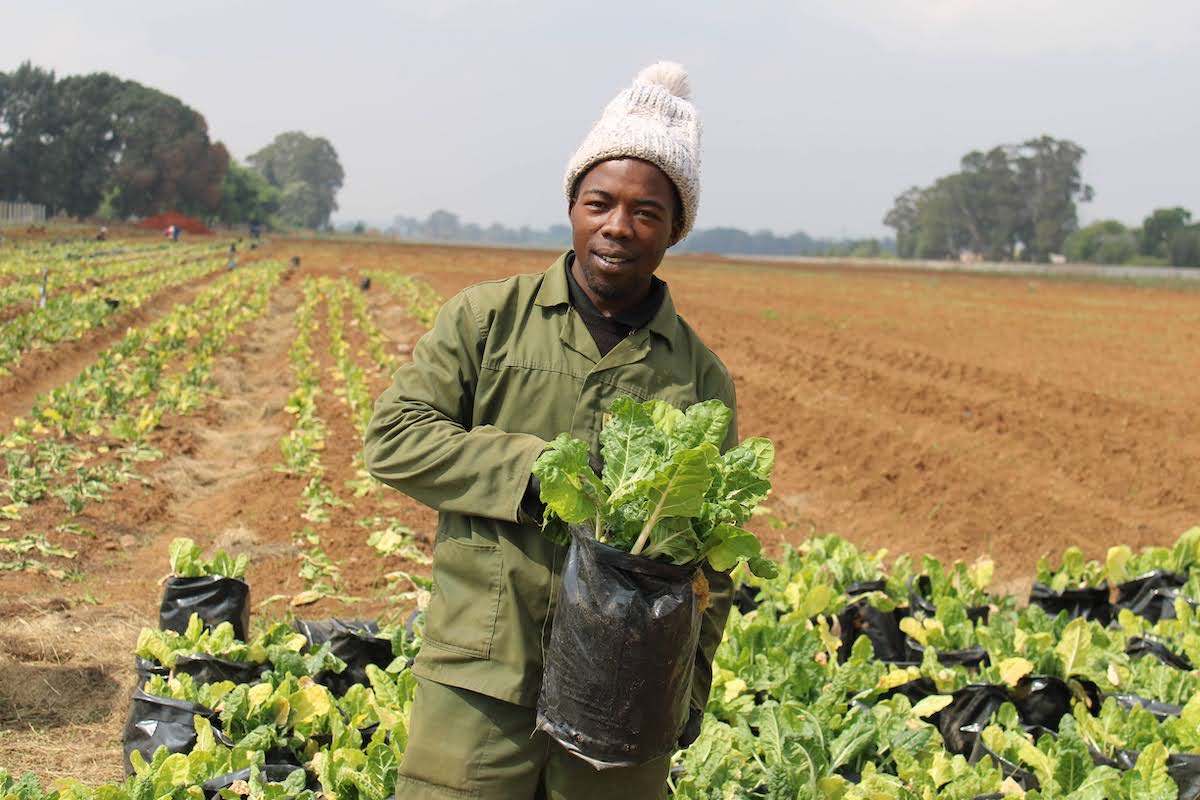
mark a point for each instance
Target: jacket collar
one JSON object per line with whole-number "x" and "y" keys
{"x": 554, "y": 292}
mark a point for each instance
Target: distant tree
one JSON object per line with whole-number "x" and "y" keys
{"x": 307, "y": 171}
{"x": 905, "y": 218}
{"x": 1011, "y": 199}
{"x": 29, "y": 120}
{"x": 1159, "y": 228}
{"x": 1184, "y": 247}
{"x": 443, "y": 225}
{"x": 1103, "y": 242}
{"x": 247, "y": 197}
{"x": 1049, "y": 186}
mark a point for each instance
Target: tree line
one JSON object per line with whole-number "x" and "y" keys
{"x": 1017, "y": 202}
{"x": 98, "y": 145}
{"x": 446, "y": 226}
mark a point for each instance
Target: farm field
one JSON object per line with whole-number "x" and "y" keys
{"x": 952, "y": 415}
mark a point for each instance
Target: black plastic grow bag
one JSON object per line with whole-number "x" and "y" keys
{"x": 147, "y": 668}
{"x": 1089, "y": 603}
{"x": 269, "y": 773}
{"x": 1141, "y": 646}
{"x": 210, "y": 669}
{"x": 860, "y": 618}
{"x": 353, "y": 641}
{"x": 971, "y": 657}
{"x": 971, "y": 709}
{"x": 215, "y": 598}
{"x": 619, "y": 665}
{"x": 163, "y": 722}
{"x": 1159, "y": 709}
{"x": 919, "y": 589}
{"x": 1152, "y": 595}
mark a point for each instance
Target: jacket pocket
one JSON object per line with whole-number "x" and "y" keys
{"x": 466, "y": 596}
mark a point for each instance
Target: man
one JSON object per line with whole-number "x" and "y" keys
{"x": 507, "y": 366}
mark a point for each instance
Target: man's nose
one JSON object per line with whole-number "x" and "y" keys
{"x": 618, "y": 224}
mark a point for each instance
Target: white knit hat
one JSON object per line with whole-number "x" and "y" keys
{"x": 653, "y": 120}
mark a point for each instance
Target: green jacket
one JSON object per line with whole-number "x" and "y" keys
{"x": 508, "y": 366}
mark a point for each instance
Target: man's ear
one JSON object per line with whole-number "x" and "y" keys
{"x": 676, "y": 233}
{"x": 570, "y": 205}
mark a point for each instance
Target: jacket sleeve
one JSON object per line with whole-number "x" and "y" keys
{"x": 720, "y": 592}
{"x": 421, "y": 439}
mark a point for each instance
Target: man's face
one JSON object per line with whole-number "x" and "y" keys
{"x": 622, "y": 222}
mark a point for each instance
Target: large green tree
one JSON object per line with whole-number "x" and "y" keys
{"x": 1008, "y": 202}
{"x": 29, "y": 120}
{"x": 69, "y": 143}
{"x": 307, "y": 172}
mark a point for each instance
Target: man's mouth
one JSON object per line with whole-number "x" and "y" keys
{"x": 613, "y": 259}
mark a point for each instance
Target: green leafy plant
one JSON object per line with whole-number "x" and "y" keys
{"x": 188, "y": 561}
{"x": 667, "y": 491}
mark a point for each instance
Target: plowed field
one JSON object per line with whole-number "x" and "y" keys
{"x": 951, "y": 414}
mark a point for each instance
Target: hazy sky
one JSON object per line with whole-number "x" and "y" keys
{"x": 816, "y": 114}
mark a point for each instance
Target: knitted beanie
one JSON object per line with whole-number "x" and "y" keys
{"x": 653, "y": 120}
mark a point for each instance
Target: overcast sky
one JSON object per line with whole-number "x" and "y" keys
{"x": 816, "y": 114}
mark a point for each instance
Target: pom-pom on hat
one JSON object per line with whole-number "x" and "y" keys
{"x": 653, "y": 120}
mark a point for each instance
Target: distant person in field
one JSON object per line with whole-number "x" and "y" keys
{"x": 507, "y": 366}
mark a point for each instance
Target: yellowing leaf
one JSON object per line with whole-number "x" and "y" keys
{"x": 734, "y": 688}
{"x": 913, "y": 627}
{"x": 307, "y": 597}
{"x": 309, "y": 703}
{"x": 931, "y": 705}
{"x": 1013, "y": 669}
{"x": 1075, "y": 645}
{"x": 898, "y": 677}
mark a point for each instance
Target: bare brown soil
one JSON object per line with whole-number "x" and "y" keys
{"x": 951, "y": 414}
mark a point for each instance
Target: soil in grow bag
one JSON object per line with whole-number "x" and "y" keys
{"x": 619, "y": 665}
{"x": 215, "y": 598}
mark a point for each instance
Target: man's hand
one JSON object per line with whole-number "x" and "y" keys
{"x": 532, "y": 506}
{"x": 531, "y": 502}
{"x": 691, "y": 730}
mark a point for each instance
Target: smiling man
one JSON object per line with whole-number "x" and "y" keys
{"x": 507, "y": 366}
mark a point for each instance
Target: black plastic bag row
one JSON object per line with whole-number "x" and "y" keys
{"x": 1041, "y": 702}
{"x": 215, "y": 598}
{"x": 1152, "y": 596}
{"x": 619, "y": 664}
{"x": 353, "y": 641}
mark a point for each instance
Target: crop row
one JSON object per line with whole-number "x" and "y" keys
{"x": 70, "y": 316}
{"x": 303, "y": 446}
{"x": 84, "y": 437}
{"x": 67, "y": 270}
